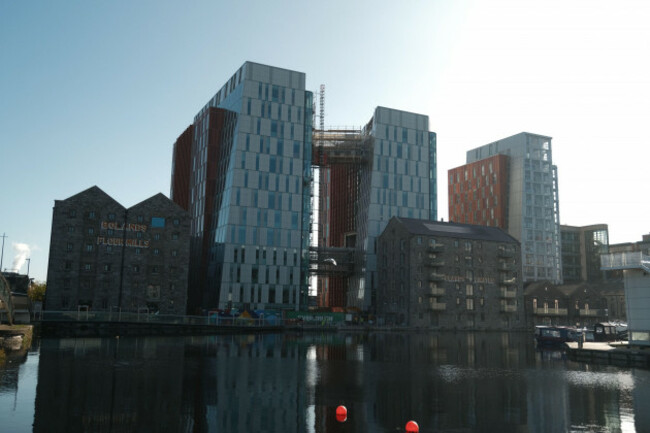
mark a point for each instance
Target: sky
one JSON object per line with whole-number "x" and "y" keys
{"x": 96, "y": 93}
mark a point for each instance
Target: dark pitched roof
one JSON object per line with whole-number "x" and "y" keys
{"x": 457, "y": 230}
{"x": 93, "y": 191}
{"x": 160, "y": 198}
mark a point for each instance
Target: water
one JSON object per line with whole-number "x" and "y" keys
{"x": 449, "y": 382}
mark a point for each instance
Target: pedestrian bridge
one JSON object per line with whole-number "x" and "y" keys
{"x": 626, "y": 260}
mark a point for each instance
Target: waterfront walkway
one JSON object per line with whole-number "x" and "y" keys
{"x": 88, "y": 323}
{"x": 615, "y": 353}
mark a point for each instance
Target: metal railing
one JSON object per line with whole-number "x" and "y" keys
{"x": 144, "y": 316}
{"x": 627, "y": 260}
{"x": 551, "y": 311}
{"x": 435, "y": 291}
{"x": 437, "y": 306}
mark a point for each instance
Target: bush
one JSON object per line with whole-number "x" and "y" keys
{"x": 36, "y": 291}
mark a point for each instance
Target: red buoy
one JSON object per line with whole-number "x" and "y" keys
{"x": 341, "y": 413}
{"x": 412, "y": 427}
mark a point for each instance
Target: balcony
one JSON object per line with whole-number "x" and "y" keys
{"x": 436, "y": 248}
{"x": 589, "y": 312}
{"x": 434, "y": 262}
{"x": 509, "y": 294}
{"x": 508, "y": 308}
{"x": 506, "y": 267}
{"x": 434, "y": 276}
{"x": 508, "y": 281}
{"x": 505, "y": 252}
{"x": 560, "y": 312}
{"x": 435, "y": 291}
{"x": 437, "y": 306}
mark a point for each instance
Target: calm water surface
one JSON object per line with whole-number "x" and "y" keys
{"x": 449, "y": 382}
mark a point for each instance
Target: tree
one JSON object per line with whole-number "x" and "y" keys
{"x": 36, "y": 291}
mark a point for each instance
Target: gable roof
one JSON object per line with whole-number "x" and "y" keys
{"x": 159, "y": 198}
{"x": 456, "y": 230}
{"x": 95, "y": 192}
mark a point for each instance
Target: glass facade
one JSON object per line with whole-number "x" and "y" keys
{"x": 250, "y": 191}
{"x": 581, "y": 251}
{"x": 399, "y": 181}
{"x": 249, "y": 200}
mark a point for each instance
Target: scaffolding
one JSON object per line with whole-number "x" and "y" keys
{"x": 339, "y": 155}
{"x": 339, "y": 146}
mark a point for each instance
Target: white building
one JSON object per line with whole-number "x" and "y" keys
{"x": 533, "y": 215}
{"x": 636, "y": 275}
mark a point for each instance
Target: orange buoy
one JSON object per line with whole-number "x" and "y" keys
{"x": 341, "y": 413}
{"x": 412, "y": 427}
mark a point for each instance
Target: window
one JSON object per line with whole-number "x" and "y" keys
{"x": 71, "y": 229}
{"x": 91, "y": 214}
{"x": 140, "y": 219}
{"x": 175, "y": 236}
{"x": 68, "y": 265}
{"x": 88, "y": 267}
{"x": 72, "y": 213}
{"x": 157, "y": 222}
{"x": 111, "y": 216}
{"x": 156, "y": 251}
{"x": 175, "y": 253}
{"x": 91, "y": 231}
{"x": 136, "y": 268}
{"x": 156, "y": 237}
{"x": 153, "y": 292}
{"x": 107, "y": 267}
{"x": 89, "y": 247}
{"x": 176, "y": 222}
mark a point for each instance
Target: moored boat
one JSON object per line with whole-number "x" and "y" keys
{"x": 555, "y": 335}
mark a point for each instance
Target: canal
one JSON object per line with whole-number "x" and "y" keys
{"x": 293, "y": 382}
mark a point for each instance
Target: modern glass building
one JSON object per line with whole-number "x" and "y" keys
{"x": 244, "y": 171}
{"x": 581, "y": 251}
{"x": 533, "y": 215}
{"x": 400, "y": 180}
{"x": 248, "y": 185}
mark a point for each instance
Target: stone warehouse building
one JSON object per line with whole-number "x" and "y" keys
{"x": 583, "y": 304}
{"x": 103, "y": 255}
{"x": 449, "y": 276}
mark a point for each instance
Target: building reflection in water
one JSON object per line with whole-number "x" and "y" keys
{"x": 282, "y": 382}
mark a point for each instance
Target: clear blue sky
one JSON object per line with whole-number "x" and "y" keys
{"x": 95, "y": 93}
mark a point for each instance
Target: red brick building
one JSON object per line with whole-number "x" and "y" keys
{"x": 478, "y": 192}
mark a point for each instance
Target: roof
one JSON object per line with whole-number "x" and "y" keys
{"x": 93, "y": 191}
{"x": 456, "y": 230}
{"x": 610, "y": 287}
